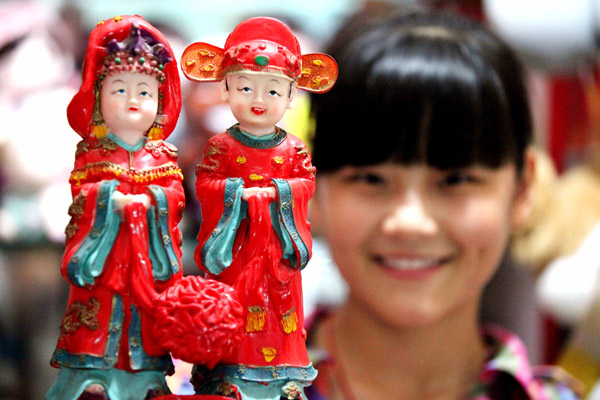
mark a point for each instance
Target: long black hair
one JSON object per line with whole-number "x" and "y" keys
{"x": 422, "y": 88}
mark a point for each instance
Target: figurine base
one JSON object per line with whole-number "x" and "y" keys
{"x": 192, "y": 397}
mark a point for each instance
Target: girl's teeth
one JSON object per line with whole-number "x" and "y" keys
{"x": 409, "y": 263}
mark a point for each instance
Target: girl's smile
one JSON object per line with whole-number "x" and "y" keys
{"x": 413, "y": 267}
{"x": 416, "y": 243}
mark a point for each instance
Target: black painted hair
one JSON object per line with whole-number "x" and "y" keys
{"x": 422, "y": 88}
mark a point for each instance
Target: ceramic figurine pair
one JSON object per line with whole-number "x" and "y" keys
{"x": 129, "y": 306}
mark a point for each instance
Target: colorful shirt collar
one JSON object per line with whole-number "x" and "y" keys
{"x": 506, "y": 375}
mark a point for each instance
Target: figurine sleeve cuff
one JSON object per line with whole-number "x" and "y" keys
{"x": 217, "y": 251}
{"x": 162, "y": 253}
{"x": 88, "y": 261}
{"x": 293, "y": 246}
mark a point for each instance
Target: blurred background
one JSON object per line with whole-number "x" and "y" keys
{"x": 546, "y": 291}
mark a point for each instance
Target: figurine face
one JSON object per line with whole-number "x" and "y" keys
{"x": 129, "y": 103}
{"x": 424, "y": 254}
{"x": 258, "y": 101}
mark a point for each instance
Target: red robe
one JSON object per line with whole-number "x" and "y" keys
{"x": 259, "y": 246}
{"x": 104, "y": 326}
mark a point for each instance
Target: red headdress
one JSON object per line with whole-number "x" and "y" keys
{"x": 124, "y": 43}
{"x": 260, "y": 44}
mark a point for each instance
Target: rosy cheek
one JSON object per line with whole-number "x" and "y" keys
{"x": 111, "y": 106}
{"x": 480, "y": 225}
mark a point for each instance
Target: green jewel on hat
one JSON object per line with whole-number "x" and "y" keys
{"x": 261, "y": 60}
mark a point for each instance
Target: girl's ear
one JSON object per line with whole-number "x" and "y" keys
{"x": 524, "y": 201}
{"x": 224, "y": 90}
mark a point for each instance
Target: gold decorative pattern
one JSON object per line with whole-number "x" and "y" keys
{"x": 82, "y": 147}
{"x": 278, "y": 160}
{"x": 206, "y": 53}
{"x": 202, "y": 62}
{"x": 255, "y": 177}
{"x": 255, "y": 320}
{"x": 241, "y": 160}
{"x": 80, "y": 314}
{"x": 292, "y": 390}
{"x": 290, "y": 321}
{"x": 75, "y": 211}
{"x": 304, "y": 157}
{"x": 210, "y": 163}
{"x": 319, "y": 73}
{"x": 159, "y": 146}
{"x": 100, "y": 170}
{"x": 106, "y": 146}
{"x": 269, "y": 353}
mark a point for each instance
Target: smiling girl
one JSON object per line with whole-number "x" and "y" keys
{"x": 424, "y": 170}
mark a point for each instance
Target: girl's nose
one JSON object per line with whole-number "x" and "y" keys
{"x": 409, "y": 216}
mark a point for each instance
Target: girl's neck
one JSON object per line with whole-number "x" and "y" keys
{"x": 439, "y": 361}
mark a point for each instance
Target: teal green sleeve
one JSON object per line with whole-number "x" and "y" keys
{"x": 283, "y": 220}
{"x": 162, "y": 252}
{"x": 217, "y": 253}
{"x": 88, "y": 261}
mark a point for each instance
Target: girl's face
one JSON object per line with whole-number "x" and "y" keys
{"x": 415, "y": 243}
{"x": 258, "y": 101}
{"x": 129, "y": 103}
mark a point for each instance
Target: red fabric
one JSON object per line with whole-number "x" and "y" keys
{"x": 262, "y": 278}
{"x": 267, "y": 37}
{"x": 116, "y": 277}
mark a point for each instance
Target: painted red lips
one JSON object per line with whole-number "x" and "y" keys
{"x": 258, "y": 110}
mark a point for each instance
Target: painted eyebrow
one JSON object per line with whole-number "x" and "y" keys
{"x": 274, "y": 80}
{"x": 143, "y": 83}
{"x": 243, "y": 77}
{"x": 118, "y": 80}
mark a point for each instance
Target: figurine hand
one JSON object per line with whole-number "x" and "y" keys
{"x": 121, "y": 200}
{"x": 247, "y": 192}
{"x": 142, "y": 198}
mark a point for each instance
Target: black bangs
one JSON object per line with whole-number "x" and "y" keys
{"x": 422, "y": 94}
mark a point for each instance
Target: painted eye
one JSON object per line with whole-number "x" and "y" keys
{"x": 145, "y": 94}
{"x": 274, "y": 93}
{"x": 119, "y": 91}
{"x": 245, "y": 89}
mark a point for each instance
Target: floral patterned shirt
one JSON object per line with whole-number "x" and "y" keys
{"x": 507, "y": 375}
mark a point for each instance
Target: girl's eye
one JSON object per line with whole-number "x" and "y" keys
{"x": 245, "y": 89}
{"x": 120, "y": 91}
{"x": 457, "y": 178}
{"x": 145, "y": 94}
{"x": 274, "y": 93}
{"x": 367, "y": 178}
